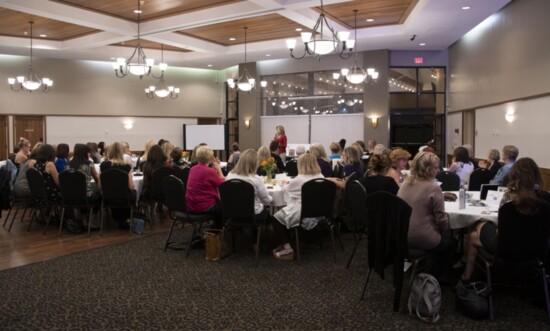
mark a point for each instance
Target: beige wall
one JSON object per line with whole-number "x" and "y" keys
{"x": 505, "y": 58}
{"x": 376, "y": 98}
{"x": 91, "y": 88}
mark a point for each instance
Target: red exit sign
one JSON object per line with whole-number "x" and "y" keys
{"x": 418, "y": 60}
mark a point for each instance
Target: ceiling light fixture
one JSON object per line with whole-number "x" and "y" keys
{"x": 356, "y": 74}
{"x": 245, "y": 82}
{"x": 317, "y": 43}
{"x": 141, "y": 65}
{"x": 30, "y": 82}
{"x": 162, "y": 90}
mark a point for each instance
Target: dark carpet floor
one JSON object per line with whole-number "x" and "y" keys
{"x": 137, "y": 286}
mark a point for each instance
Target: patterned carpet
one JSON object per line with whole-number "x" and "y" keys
{"x": 137, "y": 286}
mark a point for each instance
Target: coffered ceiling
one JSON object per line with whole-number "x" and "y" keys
{"x": 198, "y": 33}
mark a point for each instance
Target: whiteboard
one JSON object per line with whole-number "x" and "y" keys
{"x": 324, "y": 128}
{"x": 529, "y": 131}
{"x": 212, "y": 135}
{"x": 83, "y": 129}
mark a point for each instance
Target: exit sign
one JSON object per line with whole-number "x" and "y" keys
{"x": 418, "y": 60}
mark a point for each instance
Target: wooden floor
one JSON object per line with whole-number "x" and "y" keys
{"x": 20, "y": 247}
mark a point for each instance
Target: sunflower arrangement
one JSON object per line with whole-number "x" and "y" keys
{"x": 269, "y": 165}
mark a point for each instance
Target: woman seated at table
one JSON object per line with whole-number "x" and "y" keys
{"x": 274, "y": 149}
{"x": 399, "y": 159}
{"x": 202, "y": 186}
{"x": 527, "y": 206}
{"x": 289, "y": 216}
{"x": 461, "y": 165}
{"x": 335, "y": 151}
{"x": 246, "y": 170}
{"x": 143, "y": 158}
{"x": 351, "y": 161}
{"x": 81, "y": 162}
{"x": 429, "y": 223}
{"x": 377, "y": 178}
{"x": 61, "y": 157}
{"x": 155, "y": 159}
{"x": 114, "y": 159}
{"x": 492, "y": 162}
{"x": 24, "y": 146}
{"x": 322, "y": 159}
{"x": 264, "y": 154}
{"x": 45, "y": 165}
{"x": 21, "y": 191}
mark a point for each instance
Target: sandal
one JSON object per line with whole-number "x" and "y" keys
{"x": 285, "y": 254}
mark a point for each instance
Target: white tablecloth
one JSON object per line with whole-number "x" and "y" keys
{"x": 461, "y": 218}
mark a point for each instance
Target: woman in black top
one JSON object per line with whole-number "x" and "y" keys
{"x": 45, "y": 164}
{"x": 377, "y": 178}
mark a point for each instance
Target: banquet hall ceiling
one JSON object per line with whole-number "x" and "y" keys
{"x": 196, "y": 33}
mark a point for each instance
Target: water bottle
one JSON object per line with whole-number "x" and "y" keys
{"x": 462, "y": 198}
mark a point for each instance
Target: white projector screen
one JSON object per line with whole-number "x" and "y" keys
{"x": 212, "y": 135}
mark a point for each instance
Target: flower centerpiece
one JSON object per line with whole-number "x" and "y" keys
{"x": 268, "y": 166}
{"x": 185, "y": 157}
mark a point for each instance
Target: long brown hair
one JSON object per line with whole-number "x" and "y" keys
{"x": 524, "y": 185}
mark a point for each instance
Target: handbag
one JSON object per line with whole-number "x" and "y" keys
{"x": 216, "y": 247}
{"x": 472, "y": 300}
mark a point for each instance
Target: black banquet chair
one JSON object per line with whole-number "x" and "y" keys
{"x": 479, "y": 177}
{"x": 449, "y": 181}
{"x": 387, "y": 231}
{"x": 356, "y": 198}
{"x": 115, "y": 193}
{"x": 174, "y": 192}
{"x": 40, "y": 199}
{"x": 318, "y": 202}
{"x": 237, "y": 199}
{"x": 73, "y": 191}
{"x": 518, "y": 260}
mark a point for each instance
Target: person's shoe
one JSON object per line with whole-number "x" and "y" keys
{"x": 284, "y": 254}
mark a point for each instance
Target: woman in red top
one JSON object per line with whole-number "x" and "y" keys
{"x": 280, "y": 136}
{"x": 202, "y": 186}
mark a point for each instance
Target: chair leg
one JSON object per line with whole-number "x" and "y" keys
{"x": 49, "y": 219}
{"x": 33, "y": 216}
{"x": 169, "y": 235}
{"x": 332, "y": 239}
{"x": 191, "y": 238}
{"x": 297, "y": 245}
{"x": 8, "y": 216}
{"x": 131, "y": 218}
{"x": 12, "y": 219}
{"x": 102, "y": 216}
{"x": 258, "y": 243}
{"x": 365, "y": 286}
{"x": 354, "y": 250}
{"x": 490, "y": 288}
{"x": 545, "y": 286}
{"x": 60, "y": 222}
{"x": 90, "y": 220}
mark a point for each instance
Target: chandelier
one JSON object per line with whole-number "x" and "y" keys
{"x": 30, "y": 82}
{"x": 245, "y": 82}
{"x": 356, "y": 74}
{"x": 316, "y": 43}
{"x": 162, "y": 90}
{"x": 137, "y": 64}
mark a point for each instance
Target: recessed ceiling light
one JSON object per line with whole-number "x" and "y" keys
{"x": 43, "y": 35}
{"x": 466, "y": 7}
{"x": 422, "y": 44}
{"x": 232, "y": 39}
{"x": 370, "y": 19}
{"x": 209, "y": 65}
{"x": 137, "y": 11}
{"x": 298, "y": 29}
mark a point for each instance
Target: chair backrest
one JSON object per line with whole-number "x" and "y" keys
{"x": 73, "y": 188}
{"x": 237, "y": 199}
{"x": 353, "y": 177}
{"x": 36, "y": 185}
{"x": 477, "y": 178}
{"x": 338, "y": 170}
{"x": 185, "y": 175}
{"x": 523, "y": 237}
{"x": 388, "y": 226}
{"x": 449, "y": 181}
{"x": 174, "y": 193}
{"x": 292, "y": 168}
{"x": 114, "y": 187}
{"x": 356, "y": 197}
{"x": 318, "y": 198}
{"x": 157, "y": 177}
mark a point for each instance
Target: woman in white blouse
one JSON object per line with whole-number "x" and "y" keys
{"x": 245, "y": 169}
{"x": 462, "y": 166}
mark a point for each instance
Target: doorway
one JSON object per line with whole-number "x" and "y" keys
{"x": 30, "y": 127}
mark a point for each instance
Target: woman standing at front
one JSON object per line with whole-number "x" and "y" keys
{"x": 429, "y": 228}
{"x": 202, "y": 186}
{"x": 280, "y": 136}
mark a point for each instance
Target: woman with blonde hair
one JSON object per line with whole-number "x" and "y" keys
{"x": 429, "y": 228}
{"x": 114, "y": 159}
{"x": 289, "y": 216}
{"x": 351, "y": 159}
{"x": 264, "y": 154}
{"x": 245, "y": 169}
{"x": 24, "y": 146}
{"x": 280, "y": 136}
{"x": 143, "y": 158}
{"x": 322, "y": 159}
{"x": 202, "y": 185}
{"x": 399, "y": 160}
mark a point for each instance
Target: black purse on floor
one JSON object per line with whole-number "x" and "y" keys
{"x": 472, "y": 300}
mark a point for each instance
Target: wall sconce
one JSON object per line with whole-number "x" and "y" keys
{"x": 374, "y": 121}
{"x": 510, "y": 117}
{"x": 247, "y": 124}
